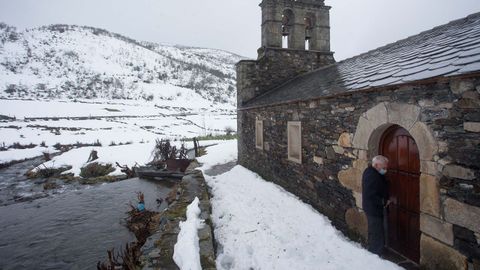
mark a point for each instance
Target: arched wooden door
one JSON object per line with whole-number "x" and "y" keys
{"x": 404, "y": 190}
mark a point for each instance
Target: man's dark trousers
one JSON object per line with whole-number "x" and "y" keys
{"x": 376, "y": 234}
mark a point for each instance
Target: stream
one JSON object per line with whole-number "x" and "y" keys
{"x": 70, "y": 228}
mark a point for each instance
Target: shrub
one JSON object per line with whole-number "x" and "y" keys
{"x": 50, "y": 186}
{"x": 163, "y": 151}
{"x": 46, "y": 156}
{"x": 11, "y": 89}
{"x": 229, "y": 130}
{"x": 3, "y": 147}
{"x": 47, "y": 172}
{"x": 210, "y": 137}
{"x": 57, "y": 146}
{"x": 18, "y": 145}
{"x": 96, "y": 169}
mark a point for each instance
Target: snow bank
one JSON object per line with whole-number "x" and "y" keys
{"x": 21, "y": 154}
{"x": 187, "y": 251}
{"x": 224, "y": 152}
{"x": 123, "y": 154}
{"x": 261, "y": 226}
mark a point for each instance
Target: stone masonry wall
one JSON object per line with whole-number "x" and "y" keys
{"x": 274, "y": 67}
{"x": 328, "y": 177}
{"x": 159, "y": 249}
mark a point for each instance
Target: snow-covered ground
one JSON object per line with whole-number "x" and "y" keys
{"x": 130, "y": 155}
{"x": 124, "y": 154}
{"x": 187, "y": 250}
{"x": 21, "y": 154}
{"x": 107, "y": 123}
{"x": 261, "y": 226}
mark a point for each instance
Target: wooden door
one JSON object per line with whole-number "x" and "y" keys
{"x": 403, "y": 233}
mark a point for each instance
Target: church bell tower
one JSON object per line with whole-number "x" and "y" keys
{"x": 300, "y": 24}
{"x": 295, "y": 40}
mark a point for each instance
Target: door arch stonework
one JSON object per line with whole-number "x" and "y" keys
{"x": 372, "y": 125}
{"x": 366, "y": 140}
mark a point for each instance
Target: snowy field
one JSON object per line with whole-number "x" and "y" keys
{"x": 107, "y": 125}
{"x": 261, "y": 226}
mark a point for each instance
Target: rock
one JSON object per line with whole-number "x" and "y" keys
{"x": 357, "y": 221}
{"x": 360, "y": 164}
{"x": 460, "y": 86}
{"x": 428, "y": 167}
{"x": 429, "y": 195}
{"x": 471, "y": 126}
{"x": 368, "y": 122}
{"x": 330, "y": 153}
{"x": 466, "y": 103}
{"x": 358, "y": 199}
{"x": 338, "y": 149}
{"x": 404, "y": 115}
{"x": 470, "y": 95}
{"x": 442, "y": 147}
{"x": 351, "y": 179}
{"x": 436, "y": 228}
{"x": 345, "y": 140}
{"x": 456, "y": 171}
{"x": 318, "y": 160}
{"x": 438, "y": 256}
{"x": 50, "y": 186}
{"x": 362, "y": 154}
{"x": 445, "y": 105}
{"x": 426, "y": 103}
{"x": 426, "y": 142}
{"x": 462, "y": 214}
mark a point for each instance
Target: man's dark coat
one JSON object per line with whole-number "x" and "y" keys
{"x": 374, "y": 192}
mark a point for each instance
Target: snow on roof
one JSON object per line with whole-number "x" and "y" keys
{"x": 448, "y": 50}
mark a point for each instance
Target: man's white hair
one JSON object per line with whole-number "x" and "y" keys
{"x": 379, "y": 160}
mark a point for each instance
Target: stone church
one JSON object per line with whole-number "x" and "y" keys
{"x": 311, "y": 125}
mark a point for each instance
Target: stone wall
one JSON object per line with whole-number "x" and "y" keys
{"x": 159, "y": 248}
{"x": 340, "y": 134}
{"x": 274, "y": 67}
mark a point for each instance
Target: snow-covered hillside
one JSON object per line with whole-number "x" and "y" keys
{"x": 74, "y": 62}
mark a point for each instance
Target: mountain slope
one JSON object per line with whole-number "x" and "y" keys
{"x": 75, "y": 62}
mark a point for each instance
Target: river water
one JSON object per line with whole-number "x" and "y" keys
{"x": 71, "y": 229}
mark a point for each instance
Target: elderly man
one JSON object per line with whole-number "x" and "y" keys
{"x": 374, "y": 199}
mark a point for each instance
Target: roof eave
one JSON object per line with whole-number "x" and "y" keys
{"x": 431, "y": 80}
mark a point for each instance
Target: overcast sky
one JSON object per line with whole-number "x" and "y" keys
{"x": 234, "y": 25}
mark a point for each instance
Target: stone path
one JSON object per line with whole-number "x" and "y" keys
{"x": 221, "y": 168}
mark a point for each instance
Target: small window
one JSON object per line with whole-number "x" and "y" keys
{"x": 307, "y": 44}
{"x": 285, "y": 42}
{"x": 288, "y": 20}
{"x": 294, "y": 130}
{"x": 259, "y": 134}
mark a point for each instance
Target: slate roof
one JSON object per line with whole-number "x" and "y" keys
{"x": 447, "y": 50}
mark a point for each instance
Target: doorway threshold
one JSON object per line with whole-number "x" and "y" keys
{"x": 391, "y": 255}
